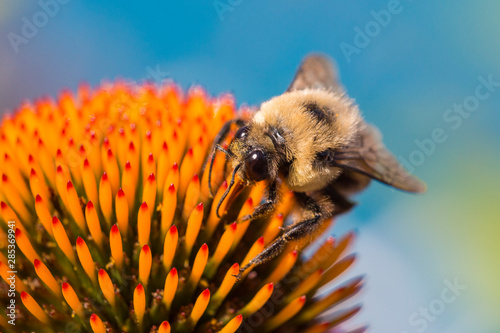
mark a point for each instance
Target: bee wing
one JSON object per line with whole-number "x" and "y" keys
{"x": 317, "y": 72}
{"x": 369, "y": 156}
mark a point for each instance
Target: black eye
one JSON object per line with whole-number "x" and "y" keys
{"x": 241, "y": 133}
{"x": 256, "y": 166}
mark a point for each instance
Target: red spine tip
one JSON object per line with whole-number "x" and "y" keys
{"x": 165, "y": 146}
{"x": 120, "y": 193}
{"x": 139, "y": 288}
{"x": 151, "y": 177}
{"x": 59, "y": 169}
{"x": 131, "y": 146}
{"x": 145, "y": 249}
{"x": 234, "y": 226}
{"x": 55, "y": 220}
{"x": 190, "y": 152}
{"x": 93, "y": 317}
{"x": 79, "y": 241}
{"x": 250, "y": 201}
{"x": 199, "y": 207}
{"x": 69, "y": 185}
{"x": 128, "y": 166}
{"x": 102, "y": 272}
{"x": 90, "y": 205}
{"x": 261, "y": 240}
{"x": 173, "y": 229}
{"x": 302, "y": 299}
{"x": 196, "y": 178}
{"x": 82, "y": 149}
{"x": 33, "y": 173}
{"x": 144, "y": 206}
{"x": 3, "y": 205}
{"x": 110, "y": 153}
{"x": 4, "y": 177}
{"x": 165, "y": 325}
{"x": 18, "y": 232}
{"x": 171, "y": 188}
{"x": 270, "y": 286}
{"x": 294, "y": 253}
{"x": 104, "y": 177}
{"x": 151, "y": 158}
{"x": 114, "y": 229}
{"x": 175, "y": 166}
{"x": 38, "y": 198}
{"x": 86, "y": 163}
{"x": 24, "y": 295}
{"x": 206, "y": 293}
{"x": 65, "y": 285}
{"x": 204, "y": 247}
{"x": 36, "y": 263}
{"x": 173, "y": 271}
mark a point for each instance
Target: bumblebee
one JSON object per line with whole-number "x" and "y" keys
{"x": 314, "y": 139}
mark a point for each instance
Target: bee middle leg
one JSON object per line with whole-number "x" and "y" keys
{"x": 295, "y": 232}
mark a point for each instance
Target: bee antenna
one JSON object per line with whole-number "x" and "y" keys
{"x": 216, "y": 148}
{"x": 210, "y": 173}
{"x": 231, "y": 183}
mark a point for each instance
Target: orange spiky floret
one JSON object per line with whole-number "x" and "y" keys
{"x": 116, "y": 230}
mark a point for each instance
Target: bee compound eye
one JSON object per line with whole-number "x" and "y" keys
{"x": 241, "y": 133}
{"x": 256, "y": 166}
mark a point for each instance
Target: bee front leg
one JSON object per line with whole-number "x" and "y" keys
{"x": 294, "y": 232}
{"x": 266, "y": 207}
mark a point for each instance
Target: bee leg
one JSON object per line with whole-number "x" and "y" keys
{"x": 295, "y": 232}
{"x": 266, "y": 207}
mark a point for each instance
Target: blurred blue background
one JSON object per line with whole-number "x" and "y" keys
{"x": 406, "y": 74}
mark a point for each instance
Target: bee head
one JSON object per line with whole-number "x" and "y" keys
{"x": 254, "y": 153}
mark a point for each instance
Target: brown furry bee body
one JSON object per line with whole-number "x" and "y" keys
{"x": 310, "y": 122}
{"x": 315, "y": 140}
